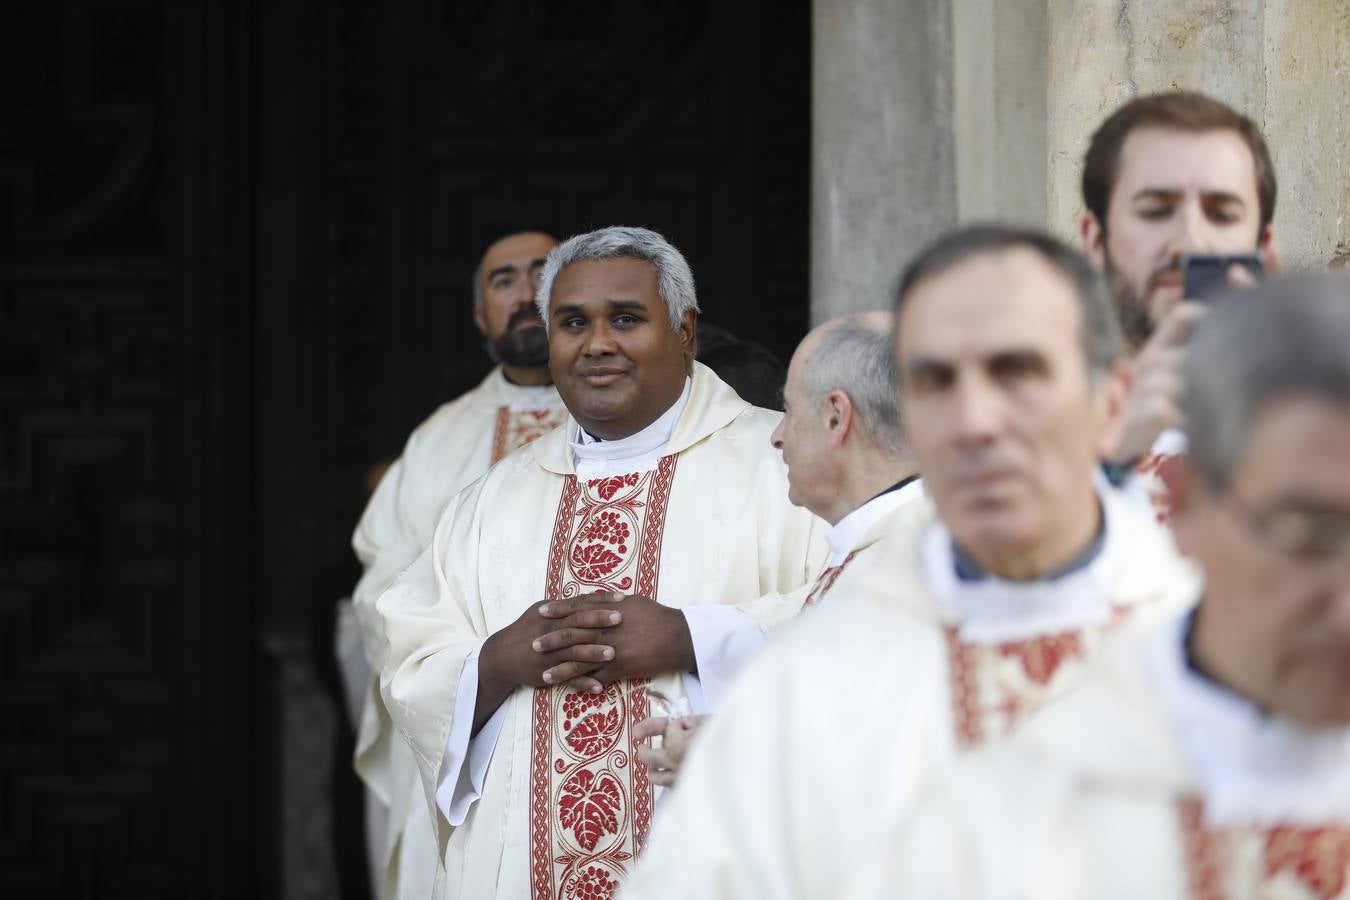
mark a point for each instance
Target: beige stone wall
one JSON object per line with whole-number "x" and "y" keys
{"x": 882, "y": 179}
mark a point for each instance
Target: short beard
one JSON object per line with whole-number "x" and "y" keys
{"x": 1136, "y": 321}
{"x": 524, "y": 348}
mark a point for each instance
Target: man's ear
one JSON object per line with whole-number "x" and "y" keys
{"x": 480, "y": 320}
{"x": 1269, "y": 250}
{"x": 1115, "y": 390}
{"x": 838, "y": 407}
{"x": 689, "y": 334}
{"x": 1094, "y": 241}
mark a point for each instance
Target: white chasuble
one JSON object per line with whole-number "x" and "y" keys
{"x": 451, "y": 448}
{"x": 1149, "y": 780}
{"x": 836, "y": 727}
{"x": 547, "y": 800}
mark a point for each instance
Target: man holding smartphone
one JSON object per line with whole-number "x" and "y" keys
{"x": 1169, "y": 176}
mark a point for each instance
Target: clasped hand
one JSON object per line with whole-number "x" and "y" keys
{"x": 589, "y": 641}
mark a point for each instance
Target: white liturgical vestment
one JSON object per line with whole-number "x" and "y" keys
{"x": 842, "y": 719}
{"x": 547, "y": 800}
{"x": 1149, "y": 780}
{"x": 853, "y": 537}
{"x": 454, "y": 446}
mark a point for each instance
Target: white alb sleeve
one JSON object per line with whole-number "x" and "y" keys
{"x": 724, "y": 639}
{"x": 466, "y": 758}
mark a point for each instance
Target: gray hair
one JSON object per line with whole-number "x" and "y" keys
{"x": 1103, "y": 345}
{"x": 674, "y": 280}
{"x": 856, "y": 358}
{"x": 1283, "y": 338}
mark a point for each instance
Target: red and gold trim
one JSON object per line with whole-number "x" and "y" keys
{"x": 589, "y": 800}
{"x": 1298, "y": 862}
{"x": 515, "y": 428}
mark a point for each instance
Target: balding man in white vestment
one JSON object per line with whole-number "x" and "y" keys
{"x": 842, "y": 440}
{"x": 1012, "y": 386}
{"x": 1209, "y": 758}
{"x": 646, "y": 543}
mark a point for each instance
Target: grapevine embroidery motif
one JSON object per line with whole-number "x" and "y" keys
{"x": 589, "y": 802}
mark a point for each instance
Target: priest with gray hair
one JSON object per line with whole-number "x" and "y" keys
{"x": 848, "y": 462}
{"x": 635, "y": 555}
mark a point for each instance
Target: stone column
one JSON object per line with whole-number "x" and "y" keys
{"x": 882, "y": 169}
{"x": 999, "y": 77}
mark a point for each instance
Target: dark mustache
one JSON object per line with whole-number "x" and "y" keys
{"x": 1172, "y": 268}
{"x": 520, "y": 315}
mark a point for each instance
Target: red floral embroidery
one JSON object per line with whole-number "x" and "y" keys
{"x": 1041, "y": 656}
{"x": 516, "y": 428}
{"x": 608, "y": 487}
{"x": 595, "y": 733}
{"x": 576, "y": 703}
{"x": 995, "y": 686}
{"x": 594, "y": 562}
{"x": 1319, "y": 857}
{"x": 590, "y": 806}
{"x": 593, "y": 883}
{"x": 608, "y": 527}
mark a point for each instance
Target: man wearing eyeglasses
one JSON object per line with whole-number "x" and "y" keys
{"x": 1211, "y": 758}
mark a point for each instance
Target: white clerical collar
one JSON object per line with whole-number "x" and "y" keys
{"x": 850, "y": 531}
{"x": 1253, "y": 769}
{"x": 992, "y": 609}
{"x": 523, "y": 396}
{"x": 594, "y": 458}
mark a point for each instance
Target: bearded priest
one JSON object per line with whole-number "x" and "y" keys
{"x": 1012, "y": 383}
{"x": 645, "y": 545}
{"x": 512, "y": 406}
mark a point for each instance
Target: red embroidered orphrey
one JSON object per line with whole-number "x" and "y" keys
{"x": 517, "y": 427}
{"x": 589, "y": 799}
{"x": 990, "y": 696}
{"x": 1317, "y": 859}
{"x": 827, "y": 580}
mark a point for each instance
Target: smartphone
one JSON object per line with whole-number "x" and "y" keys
{"x": 1205, "y": 276}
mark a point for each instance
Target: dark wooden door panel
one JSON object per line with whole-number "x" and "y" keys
{"x": 124, "y": 612}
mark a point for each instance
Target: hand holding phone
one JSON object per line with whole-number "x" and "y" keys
{"x": 1205, "y": 275}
